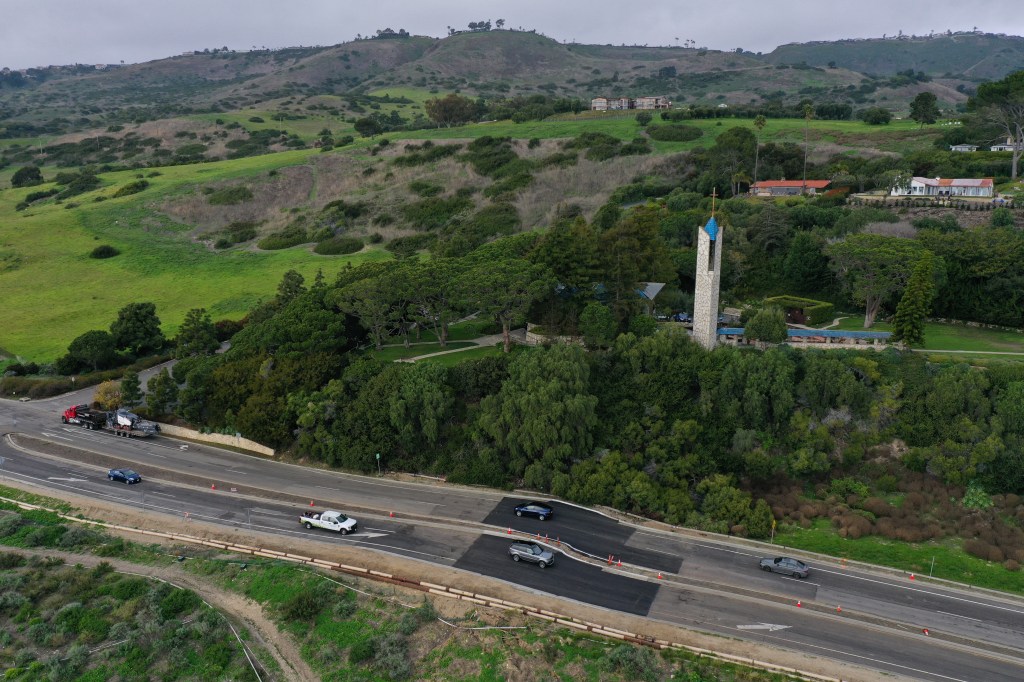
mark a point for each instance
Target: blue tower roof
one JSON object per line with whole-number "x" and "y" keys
{"x": 712, "y": 228}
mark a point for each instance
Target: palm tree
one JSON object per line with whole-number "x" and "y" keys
{"x": 759, "y": 122}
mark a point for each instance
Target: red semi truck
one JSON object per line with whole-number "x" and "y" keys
{"x": 121, "y": 422}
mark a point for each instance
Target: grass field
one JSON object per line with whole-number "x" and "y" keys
{"x": 941, "y": 336}
{"x": 53, "y": 291}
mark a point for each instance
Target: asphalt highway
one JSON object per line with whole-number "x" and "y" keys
{"x": 708, "y": 584}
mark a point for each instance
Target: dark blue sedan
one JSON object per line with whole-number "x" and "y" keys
{"x": 539, "y": 509}
{"x": 124, "y": 476}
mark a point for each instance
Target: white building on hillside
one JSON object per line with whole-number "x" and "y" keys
{"x": 946, "y": 187}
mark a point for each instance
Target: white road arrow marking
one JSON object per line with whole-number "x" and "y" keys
{"x": 762, "y": 626}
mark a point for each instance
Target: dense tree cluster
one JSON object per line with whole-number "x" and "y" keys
{"x": 642, "y": 419}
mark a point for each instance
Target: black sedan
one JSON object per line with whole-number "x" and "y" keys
{"x": 124, "y": 476}
{"x": 786, "y": 566}
{"x": 539, "y": 509}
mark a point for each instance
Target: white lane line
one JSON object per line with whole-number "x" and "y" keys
{"x": 957, "y": 615}
{"x": 162, "y": 495}
{"x": 866, "y": 658}
{"x": 270, "y": 512}
{"x": 928, "y": 592}
{"x": 878, "y": 582}
{"x": 54, "y": 435}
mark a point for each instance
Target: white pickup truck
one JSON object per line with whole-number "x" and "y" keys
{"x": 329, "y": 520}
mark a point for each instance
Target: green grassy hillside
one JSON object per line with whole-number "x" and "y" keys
{"x": 968, "y": 55}
{"x": 53, "y": 291}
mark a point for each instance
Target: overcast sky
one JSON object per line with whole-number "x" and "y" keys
{"x": 42, "y": 32}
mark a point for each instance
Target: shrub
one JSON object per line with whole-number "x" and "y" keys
{"x": 434, "y": 212}
{"x": 509, "y": 185}
{"x": 131, "y": 188}
{"x": 104, "y": 251}
{"x": 229, "y": 196}
{"x": 42, "y": 194}
{"x": 674, "y": 133}
{"x": 338, "y": 245}
{"x": 77, "y": 536}
{"x": 407, "y": 246}
{"x": 304, "y": 606}
{"x": 362, "y": 650}
{"x": 425, "y": 189}
{"x": 286, "y": 238}
{"x": 255, "y": 119}
{"x": 27, "y": 176}
{"x": 178, "y": 603}
{"x": 633, "y": 662}
{"x": 846, "y": 486}
{"x": 426, "y": 153}
{"x": 10, "y": 560}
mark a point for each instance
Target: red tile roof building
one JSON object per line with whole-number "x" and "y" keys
{"x": 782, "y": 188}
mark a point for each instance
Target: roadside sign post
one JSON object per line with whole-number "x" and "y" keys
{"x": 379, "y": 473}
{"x": 772, "y": 540}
{"x": 3, "y": 474}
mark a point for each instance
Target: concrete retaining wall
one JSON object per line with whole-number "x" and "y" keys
{"x": 218, "y": 438}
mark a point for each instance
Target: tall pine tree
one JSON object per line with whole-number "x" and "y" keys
{"x": 916, "y": 303}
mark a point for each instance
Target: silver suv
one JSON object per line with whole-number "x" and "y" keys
{"x": 531, "y": 551}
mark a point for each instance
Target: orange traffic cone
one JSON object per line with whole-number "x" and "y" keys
{"x": 799, "y": 604}
{"x": 659, "y": 575}
{"x": 620, "y": 562}
{"x": 311, "y": 503}
{"x": 925, "y": 631}
{"x": 392, "y": 514}
{"x": 510, "y": 530}
{"x": 839, "y": 609}
{"x": 213, "y": 486}
{"x": 911, "y": 576}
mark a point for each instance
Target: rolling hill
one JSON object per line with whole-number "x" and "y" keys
{"x": 496, "y": 64}
{"x": 969, "y": 56}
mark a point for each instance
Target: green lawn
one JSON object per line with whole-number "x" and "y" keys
{"x": 951, "y": 562}
{"x": 53, "y": 291}
{"x": 940, "y": 336}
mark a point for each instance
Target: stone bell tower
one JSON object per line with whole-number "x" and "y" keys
{"x": 709, "y": 280}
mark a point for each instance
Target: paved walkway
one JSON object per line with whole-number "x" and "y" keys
{"x": 518, "y": 336}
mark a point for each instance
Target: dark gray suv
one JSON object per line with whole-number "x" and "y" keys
{"x": 531, "y": 551}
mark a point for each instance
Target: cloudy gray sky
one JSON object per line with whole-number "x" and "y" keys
{"x": 41, "y": 32}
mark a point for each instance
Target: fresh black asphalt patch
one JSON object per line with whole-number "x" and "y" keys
{"x": 565, "y": 578}
{"x": 585, "y": 530}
